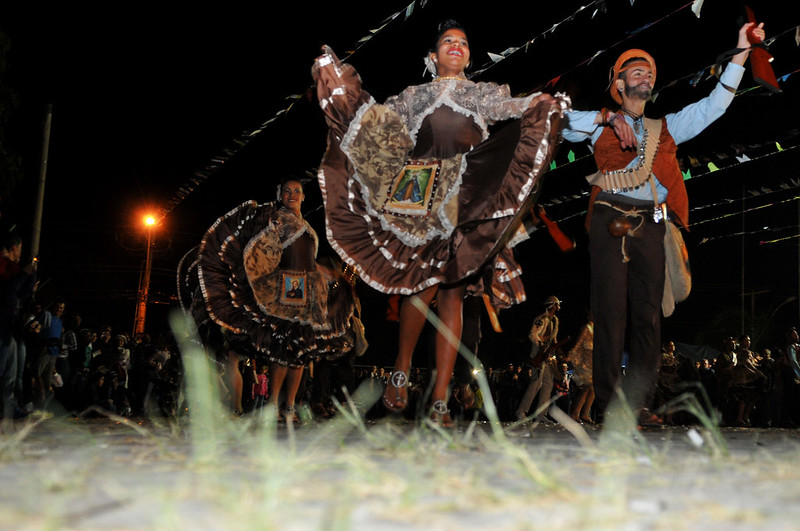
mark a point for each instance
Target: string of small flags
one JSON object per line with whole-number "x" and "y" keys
{"x": 238, "y": 143}
{"x": 712, "y": 167}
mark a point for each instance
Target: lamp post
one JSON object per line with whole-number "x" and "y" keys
{"x": 144, "y": 280}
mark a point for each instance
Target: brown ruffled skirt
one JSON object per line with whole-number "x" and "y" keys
{"x": 498, "y": 181}
{"x": 249, "y": 311}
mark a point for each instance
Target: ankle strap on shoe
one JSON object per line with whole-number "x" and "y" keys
{"x": 398, "y": 379}
{"x": 440, "y": 407}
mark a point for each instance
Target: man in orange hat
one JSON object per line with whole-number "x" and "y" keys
{"x": 638, "y": 182}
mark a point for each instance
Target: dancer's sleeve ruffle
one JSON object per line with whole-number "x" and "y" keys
{"x": 496, "y": 103}
{"x": 338, "y": 89}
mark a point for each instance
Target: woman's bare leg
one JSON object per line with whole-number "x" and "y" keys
{"x": 277, "y": 374}
{"x": 412, "y": 321}
{"x": 587, "y": 406}
{"x": 236, "y": 381}
{"x": 580, "y": 401}
{"x": 450, "y": 302}
{"x": 294, "y": 376}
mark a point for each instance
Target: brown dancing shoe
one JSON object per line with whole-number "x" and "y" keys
{"x": 395, "y": 394}
{"x": 648, "y": 419}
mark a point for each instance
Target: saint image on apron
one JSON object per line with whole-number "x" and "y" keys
{"x": 293, "y": 289}
{"x": 412, "y": 191}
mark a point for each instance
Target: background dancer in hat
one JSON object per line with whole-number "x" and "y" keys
{"x": 543, "y": 337}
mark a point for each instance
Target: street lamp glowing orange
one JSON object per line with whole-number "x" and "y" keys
{"x": 144, "y": 283}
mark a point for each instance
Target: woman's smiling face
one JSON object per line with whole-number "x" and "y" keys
{"x": 292, "y": 195}
{"x": 452, "y": 53}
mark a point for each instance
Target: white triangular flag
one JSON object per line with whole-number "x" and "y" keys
{"x": 697, "y": 5}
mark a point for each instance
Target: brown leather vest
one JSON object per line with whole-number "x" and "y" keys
{"x": 609, "y": 156}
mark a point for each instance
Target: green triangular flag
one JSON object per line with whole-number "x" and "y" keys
{"x": 552, "y": 164}
{"x": 571, "y": 156}
{"x": 712, "y": 166}
{"x": 779, "y": 146}
{"x": 687, "y": 175}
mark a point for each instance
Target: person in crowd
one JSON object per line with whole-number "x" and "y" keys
{"x": 100, "y": 393}
{"x": 246, "y": 265}
{"x": 748, "y": 384}
{"x": 508, "y": 392}
{"x": 261, "y": 388}
{"x": 561, "y": 388}
{"x": 121, "y": 379}
{"x": 106, "y": 392}
{"x": 421, "y": 201}
{"x": 462, "y": 401}
{"x": 82, "y": 357}
{"x": 790, "y": 379}
{"x": 102, "y": 343}
{"x": 793, "y": 352}
{"x": 17, "y": 285}
{"x": 726, "y": 361}
{"x": 71, "y": 360}
{"x": 247, "y": 367}
{"x": 544, "y": 338}
{"x": 580, "y": 357}
{"x": 740, "y": 381}
{"x": 668, "y": 382}
{"x": 710, "y": 382}
{"x": 767, "y": 409}
{"x": 45, "y": 366}
{"x": 154, "y": 380}
{"x": 638, "y": 182}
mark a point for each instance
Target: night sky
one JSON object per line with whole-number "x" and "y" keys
{"x": 145, "y": 96}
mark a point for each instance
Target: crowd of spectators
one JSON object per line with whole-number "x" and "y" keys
{"x": 86, "y": 371}
{"x": 739, "y": 386}
{"x": 68, "y": 367}
{"x": 50, "y": 360}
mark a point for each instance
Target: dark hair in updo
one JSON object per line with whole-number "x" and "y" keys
{"x": 291, "y": 178}
{"x": 443, "y": 26}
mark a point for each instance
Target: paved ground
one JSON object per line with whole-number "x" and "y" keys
{"x": 217, "y": 473}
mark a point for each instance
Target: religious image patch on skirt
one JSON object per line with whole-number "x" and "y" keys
{"x": 293, "y": 288}
{"x": 412, "y": 190}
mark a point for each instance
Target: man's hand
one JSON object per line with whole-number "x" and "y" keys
{"x": 747, "y": 30}
{"x": 627, "y": 140}
{"x": 757, "y": 33}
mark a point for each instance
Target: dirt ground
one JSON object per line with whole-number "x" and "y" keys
{"x": 72, "y": 473}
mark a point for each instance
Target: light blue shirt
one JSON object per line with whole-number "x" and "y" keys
{"x": 682, "y": 125}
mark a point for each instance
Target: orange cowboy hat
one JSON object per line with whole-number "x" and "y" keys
{"x": 647, "y": 60}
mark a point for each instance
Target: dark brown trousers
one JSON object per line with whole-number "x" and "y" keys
{"x": 626, "y": 301}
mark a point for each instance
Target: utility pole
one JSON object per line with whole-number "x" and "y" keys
{"x": 39, "y": 208}
{"x": 144, "y": 284}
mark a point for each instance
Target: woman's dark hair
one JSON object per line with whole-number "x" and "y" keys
{"x": 443, "y": 26}
{"x": 285, "y": 180}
